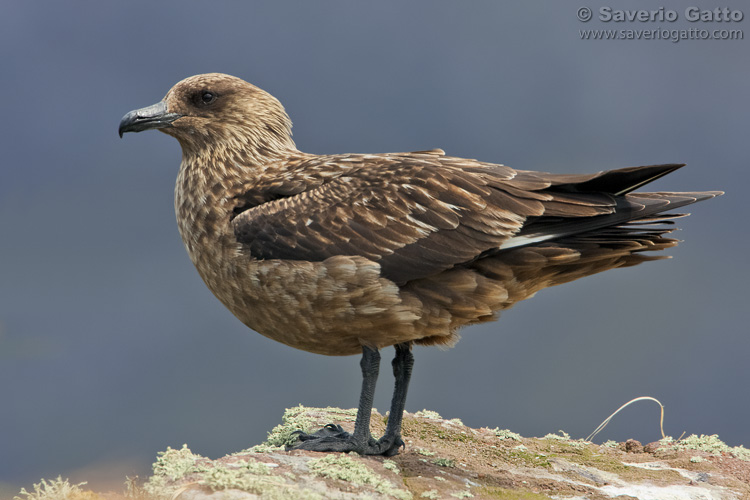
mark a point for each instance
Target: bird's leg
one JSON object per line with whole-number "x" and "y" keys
{"x": 334, "y": 437}
{"x": 402, "y": 365}
{"x": 370, "y": 365}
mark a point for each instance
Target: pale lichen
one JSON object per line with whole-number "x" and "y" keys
{"x": 298, "y": 419}
{"x": 56, "y": 489}
{"x": 506, "y": 434}
{"x": 170, "y": 466}
{"x": 432, "y": 415}
{"x": 344, "y": 468}
{"x": 564, "y": 438}
{"x": 391, "y": 466}
{"x": 444, "y": 462}
{"x": 710, "y": 444}
{"x": 294, "y": 420}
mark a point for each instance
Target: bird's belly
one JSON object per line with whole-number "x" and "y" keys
{"x": 333, "y": 307}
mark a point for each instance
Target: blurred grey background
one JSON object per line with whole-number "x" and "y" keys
{"x": 111, "y": 347}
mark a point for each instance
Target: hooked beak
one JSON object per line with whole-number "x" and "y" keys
{"x": 150, "y": 117}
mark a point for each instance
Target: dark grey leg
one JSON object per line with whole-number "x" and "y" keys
{"x": 402, "y": 366}
{"x": 335, "y": 438}
{"x": 370, "y": 365}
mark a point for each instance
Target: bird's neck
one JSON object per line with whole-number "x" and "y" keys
{"x": 206, "y": 194}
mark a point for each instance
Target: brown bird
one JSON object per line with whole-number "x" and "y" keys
{"x": 349, "y": 253}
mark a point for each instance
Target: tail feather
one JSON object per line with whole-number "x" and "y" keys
{"x": 631, "y": 208}
{"x": 617, "y": 182}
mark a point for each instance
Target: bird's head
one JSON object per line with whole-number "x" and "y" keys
{"x": 216, "y": 111}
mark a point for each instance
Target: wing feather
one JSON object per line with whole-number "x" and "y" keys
{"x": 417, "y": 214}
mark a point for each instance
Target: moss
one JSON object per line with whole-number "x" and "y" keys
{"x": 564, "y": 439}
{"x": 710, "y": 444}
{"x": 586, "y": 456}
{"x": 607, "y": 463}
{"x": 446, "y": 435}
{"x": 522, "y": 453}
{"x": 462, "y": 494}
{"x": 344, "y": 468}
{"x": 56, "y": 489}
{"x": 505, "y": 494}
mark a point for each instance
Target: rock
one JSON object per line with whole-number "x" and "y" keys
{"x": 633, "y": 446}
{"x": 444, "y": 459}
{"x": 652, "y": 447}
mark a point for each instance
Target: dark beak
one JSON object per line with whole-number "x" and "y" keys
{"x": 154, "y": 116}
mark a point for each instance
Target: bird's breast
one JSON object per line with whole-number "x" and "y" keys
{"x": 328, "y": 307}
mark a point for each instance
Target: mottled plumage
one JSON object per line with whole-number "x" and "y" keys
{"x": 341, "y": 254}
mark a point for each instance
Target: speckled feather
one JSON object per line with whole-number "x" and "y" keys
{"x": 330, "y": 253}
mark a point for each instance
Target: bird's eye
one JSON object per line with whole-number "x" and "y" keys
{"x": 208, "y": 97}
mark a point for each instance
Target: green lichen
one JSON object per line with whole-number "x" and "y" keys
{"x": 710, "y": 444}
{"x": 497, "y": 493}
{"x": 223, "y": 478}
{"x": 56, "y": 489}
{"x": 431, "y": 494}
{"x": 564, "y": 438}
{"x": 298, "y": 419}
{"x": 391, "y": 466}
{"x": 456, "y": 421}
{"x": 174, "y": 464}
{"x": 432, "y": 415}
{"x": 444, "y": 462}
{"x": 506, "y": 434}
{"x": 294, "y": 419}
{"x": 260, "y": 448}
{"x": 610, "y": 444}
{"x": 426, "y": 453}
{"x": 170, "y": 466}
{"x": 462, "y": 494}
{"x": 266, "y": 487}
{"x": 696, "y": 459}
{"x": 523, "y": 454}
{"x": 344, "y": 468}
